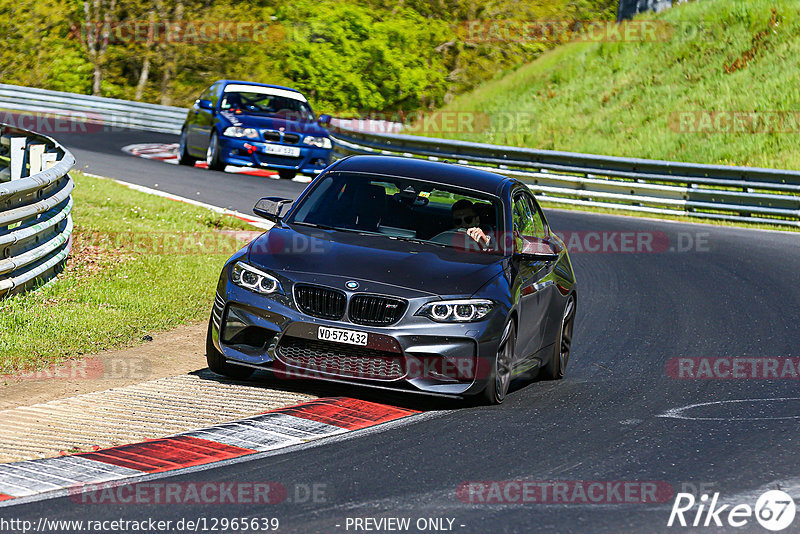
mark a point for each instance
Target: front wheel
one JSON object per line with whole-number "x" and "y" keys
{"x": 212, "y": 154}
{"x": 183, "y": 154}
{"x": 557, "y": 366}
{"x": 216, "y": 362}
{"x": 500, "y": 374}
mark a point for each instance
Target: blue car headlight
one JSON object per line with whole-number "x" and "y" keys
{"x": 238, "y": 131}
{"x": 319, "y": 142}
{"x": 456, "y": 311}
{"x": 248, "y": 277}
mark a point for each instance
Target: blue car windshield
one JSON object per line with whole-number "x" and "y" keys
{"x": 403, "y": 208}
{"x": 258, "y": 103}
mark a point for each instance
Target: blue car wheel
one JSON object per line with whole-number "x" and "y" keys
{"x": 213, "y": 153}
{"x": 183, "y": 156}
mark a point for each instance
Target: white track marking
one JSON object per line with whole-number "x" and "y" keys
{"x": 678, "y": 413}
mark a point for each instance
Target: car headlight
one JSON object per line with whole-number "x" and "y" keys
{"x": 249, "y": 277}
{"x": 319, "y": 142}
{"x": 237, "y": 131}
{"x": 456, "y": 311}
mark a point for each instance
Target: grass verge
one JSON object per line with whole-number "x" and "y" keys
{"x": 713, "y": 87}
{"x": 669, "y": 99}
{"x": 140, "y": 264}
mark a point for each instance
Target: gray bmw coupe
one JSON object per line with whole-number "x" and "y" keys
{"x": 400, "y": 274}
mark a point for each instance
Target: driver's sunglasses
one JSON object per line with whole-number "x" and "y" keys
{"x": 467, "y": 219}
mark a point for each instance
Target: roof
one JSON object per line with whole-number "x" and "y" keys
{"x": 226, "y": 82}
{"x": 420, "y": 169}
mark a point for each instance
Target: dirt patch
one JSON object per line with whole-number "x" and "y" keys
{"x": 175, "y": 352}
{"x": 89, "y": 258}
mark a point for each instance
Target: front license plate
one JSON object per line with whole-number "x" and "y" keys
{"x": 280, "y": 150}
{"x": 342, "y": 336}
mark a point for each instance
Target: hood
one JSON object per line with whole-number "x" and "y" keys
{"x": 273, "y": 123}
{"x": 415, "y": 267}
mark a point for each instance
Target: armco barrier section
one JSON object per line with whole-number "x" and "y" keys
{"x": 35, "y": 206}
{"x": 90, "y": 109}
{"x": 738, "y": 194}
{"x": 741, "y": 194}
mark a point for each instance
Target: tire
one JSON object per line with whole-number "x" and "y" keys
{"x": 557, "y": 365}
{"x": 217, "y": 364}
{"x": 500, "y": 374}
{"x": 287, "y": 175}
{"x": 183, "y": 155}
{"x": 212, "y": 154}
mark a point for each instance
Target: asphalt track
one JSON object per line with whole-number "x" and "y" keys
{"x": 733, "y": 295}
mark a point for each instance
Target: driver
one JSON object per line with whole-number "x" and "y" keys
{"x": 465, "y": 217}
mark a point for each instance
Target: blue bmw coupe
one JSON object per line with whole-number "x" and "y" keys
{"x": 255, "y": 125}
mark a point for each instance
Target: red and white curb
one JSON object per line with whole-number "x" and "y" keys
{"x": 168, "y": 153}
{"x": 272, "y": 430}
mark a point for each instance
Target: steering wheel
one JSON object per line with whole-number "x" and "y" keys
{"x": 456, "y": 237}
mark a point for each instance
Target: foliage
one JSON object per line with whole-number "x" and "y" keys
{"x": 349, "y": 56}
{"x": 630, "y": 98}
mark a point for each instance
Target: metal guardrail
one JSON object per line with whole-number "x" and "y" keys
{"x": 741, "y": 194}
{"x": 90, "y": 109}
{"x": 28, "y": 105}
{"x": 35, "y": 206}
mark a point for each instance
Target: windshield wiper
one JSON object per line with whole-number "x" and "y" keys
{"x": 334, "y": 228}
{"x": 415, "y": 240}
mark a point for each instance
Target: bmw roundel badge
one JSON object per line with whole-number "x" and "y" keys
{"x": 351, "y": 284}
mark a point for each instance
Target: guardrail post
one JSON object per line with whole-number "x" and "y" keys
{"x": 48, "y": 160}
{"x": 16, "y": 151}
{"x": 35, "y": 153}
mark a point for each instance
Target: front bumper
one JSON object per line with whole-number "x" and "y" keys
{"x": 251, "y": 153}
{"x": 415, "y": 354}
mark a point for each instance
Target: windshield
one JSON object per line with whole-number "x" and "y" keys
{"x": 260, "y": 103}
{"x": 403, "y": 208}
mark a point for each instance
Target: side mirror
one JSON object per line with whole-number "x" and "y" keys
{"x": 270, "y": 208}
{"x": 205, "y": 104}
{"x": 538, "y": 249}
{"x": 325, "y": 120}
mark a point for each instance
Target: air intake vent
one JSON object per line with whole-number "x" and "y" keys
{"x": 373, "y": 310}
{"x": 320, "y": 302}
{"x": 323, "y": 357}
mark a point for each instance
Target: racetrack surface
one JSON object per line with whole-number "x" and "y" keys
{"x": 732, "y": 295}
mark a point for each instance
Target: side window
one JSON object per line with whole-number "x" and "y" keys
{"x": 523, "y": 217}
{"x": 215, "y": 92}
{"x": 539, "y": 225}
{"x": 522, "y": 224}
{"x": 528, "y": 222}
